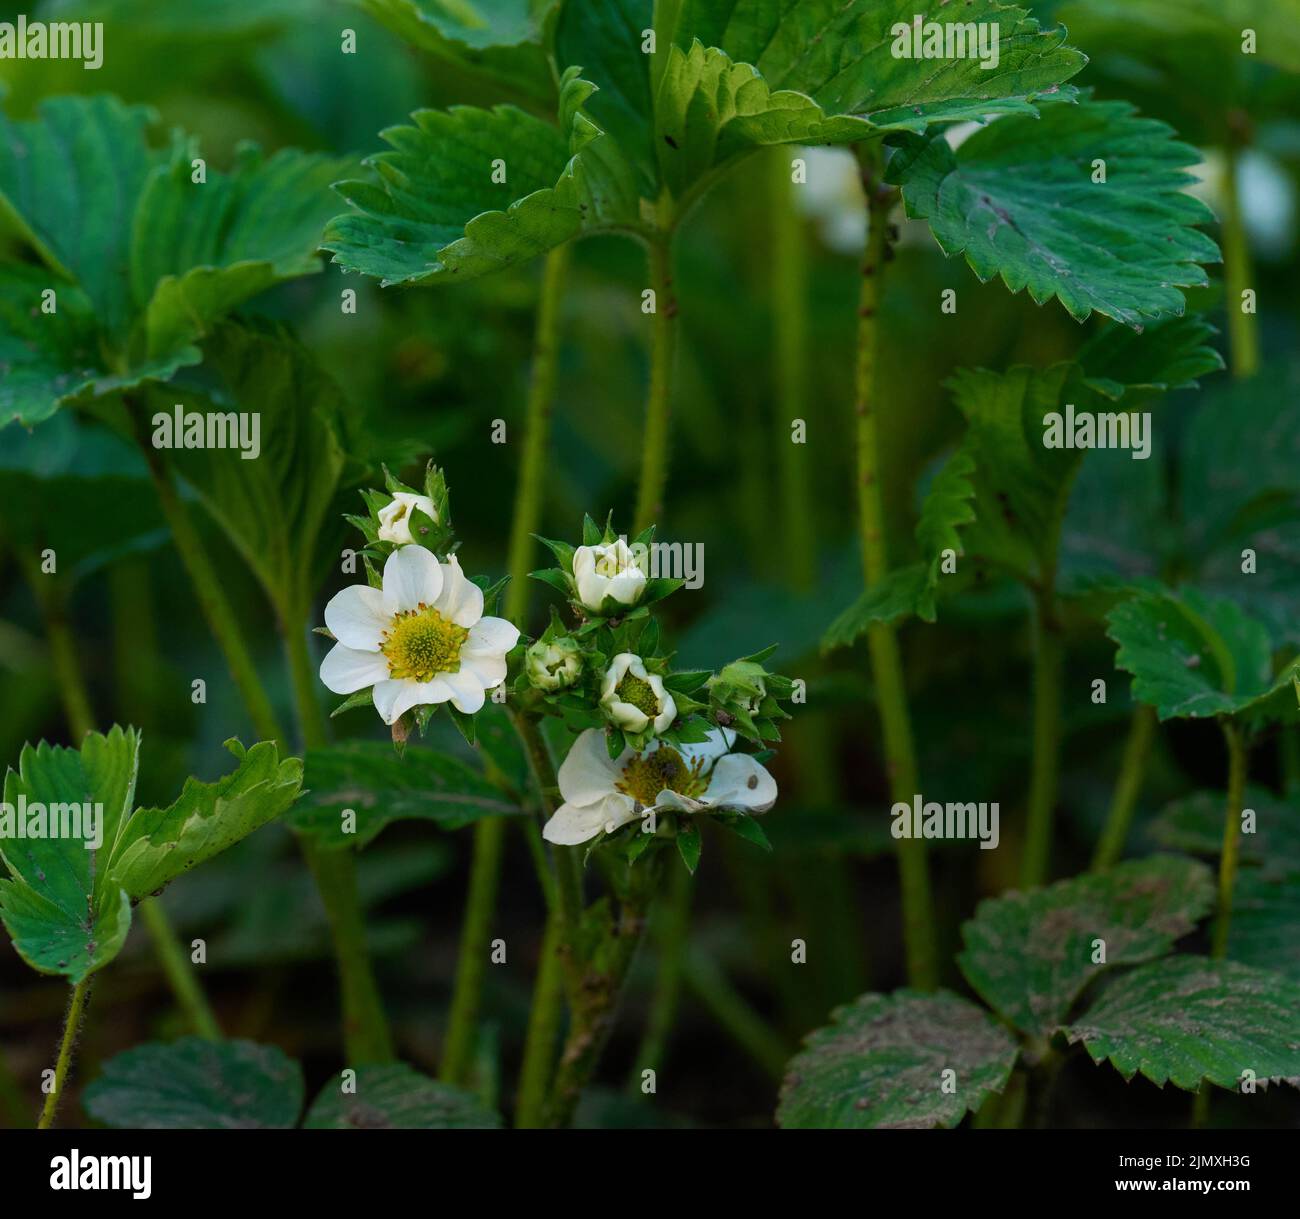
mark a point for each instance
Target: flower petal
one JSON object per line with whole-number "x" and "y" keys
{"x": 411, "y": 577}
{"x": 466, "y": 690}
{"x": 392, "y": 698}
{"x": 675, "y": 801}
{"x": 492, "y": 635}
{"x": 738, "y": 781}
{"x": 356, "y": 617}
{"x": 487, "y": 668}
{"x": 346, "y": 670}
{"x": 589, "y": 774}
{"x": 461, "y": 600}
{"x": 573, "y": 824}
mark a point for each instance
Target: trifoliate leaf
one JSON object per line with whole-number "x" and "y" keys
{"x": 499, "y": 39}
{"x": 880, "y": 1063}
{"x": 156, "y": 845}
{"x": 1030, "y": 955}
{"x": 1193, "y": 657}
{"x": 193, "y": 1084}
{"x": 1188, "y": 1019}
{"x": 369, "y": 779}
{"x": 397, "y": 1098}
{"x": 1023, "y": 200}
{"x": 64, "y": 809}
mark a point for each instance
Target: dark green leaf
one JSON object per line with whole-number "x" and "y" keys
{"x": 397, "y": 1098}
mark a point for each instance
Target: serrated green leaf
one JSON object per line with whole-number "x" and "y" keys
{"x": 1188, "y": 1019}
{"x": 368, "y": 778}
{"x": 193, "y": 1084}
{"x": 156, "y": 845}
{"x": 1030, "y": 955}
{"x": 398, "y": 1098}
{"x": 499, "y": 39}
{"x": 1193, "y": 657}
{"x": 1170, "y": 354}
{"x": 880, "y": 1063}
{"x": 65, "y": 916}
{"x": 1019, "y": 200}
{"x": 900, "y": 594}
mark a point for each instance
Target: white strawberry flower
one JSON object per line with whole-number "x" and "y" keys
{"x": 607, "y": 570}
{"x": 421, "y": 639}
{"x": 602, "y": 793}
{"x": 395, "y": 518}
{"x": 634, "y": 699}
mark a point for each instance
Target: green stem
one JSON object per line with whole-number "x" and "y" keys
{"x": 729, "y": 1008}
{"x": 544, "y": 1019}
{"x": 1049, "y": 659}
{"x": 1128, "y": 787}
{"x": 882, "y": 642}
{"x": 63, "y": 650}
{"x": 1243, "y": 334}
{"x": 654, "y": 443}
{"x": 367, "y": 1037}
{"x": 179, "y": 970}
{"x": 1231, "y": 836}
{"x": 672, "y": 922}
{"x": 71, "y": 1026}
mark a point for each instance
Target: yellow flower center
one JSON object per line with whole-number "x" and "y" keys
{"x": 421, "y": 643}
{"x": 647, "y": 774}
{"x": 638, "y": 692}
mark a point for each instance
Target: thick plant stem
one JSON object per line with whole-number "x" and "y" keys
{"x": 1231, "y": 836}
{"x": 71, "y": 1027}
{"x": 1128, "y": 787}
{"x": 882, "y": 642}
{"x": 544, "y": 1019}
{"x": 1243, "y": 334}
{"x": 367, "y": 1037}
{"x": 1049, "y": 656}
{"x": 672, "y": 922}
{"x": 654, "y": 442}
{"x": 179, "y": 971}
{"x": 537, "y": 433}
{"x": 489, "y": 834}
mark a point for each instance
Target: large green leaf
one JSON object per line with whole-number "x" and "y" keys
{"x": 193, "y": 1084}
{"x": 1188, "y": 1019}
{"x": 200, "y": 249}
{"x": 1193, "y": 657}
{"x": 397, "y": 1098}
{"x": 1030, "y": 955}
{"x": 379, "y": 787}
{"x": 1169, "y": 354}
{"x": 501, "y": 39}
{"x": 882, "y": 1063}
{"x": 156, "y": 845}
{"x": 1019, "y": 200}
{"x": 63, "y": 914}
{"x": 276, "y": 507}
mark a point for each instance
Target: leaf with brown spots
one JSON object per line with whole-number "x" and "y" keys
{"x": 397, "y": 1098}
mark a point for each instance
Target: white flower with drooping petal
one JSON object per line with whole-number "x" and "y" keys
{"x": 607, "y": 570}
{"x": 602, "y": 793}
{"x": 634, "y": 699}
{"x": 395, "y": 518}
{"x": 420, "y": 639}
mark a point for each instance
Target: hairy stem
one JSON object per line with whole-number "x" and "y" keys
{"x": 654, "y": 443}
{"x": 1238, "y": 273}
{"x": 882, "y": 642}
{"x": 1237, "y": 760}
{"x": 179, "y": 970}
{"x": 1049, "y": 658}
{"x": 1128, "y": 787}
{"x": 71, "y": 1027}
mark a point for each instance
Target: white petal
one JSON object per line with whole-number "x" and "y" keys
{"x": 492, "y": 635}
{"x": 589, "y": 774}
{"x": 720, "y": 740}
{"x": 487, "y": 668}
{"x": 461, "y": 600}
{"x": 740, "y": 782}
{"x": 669, "y": 712}
{"x": 669, "y": 799}
{"x": 573, "y": 824}
{"x": 357, "y": 618}
{"x": 411, "y": 577}
{"x": 392, "y": 698}
{"x": 346, "y": 670}
{"x": 627, "y": 586}
{"x": 466, "y": 690}
{"x": 625, "y": 715}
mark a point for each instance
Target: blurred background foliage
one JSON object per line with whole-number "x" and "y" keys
{"x": 438, "y": 366}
